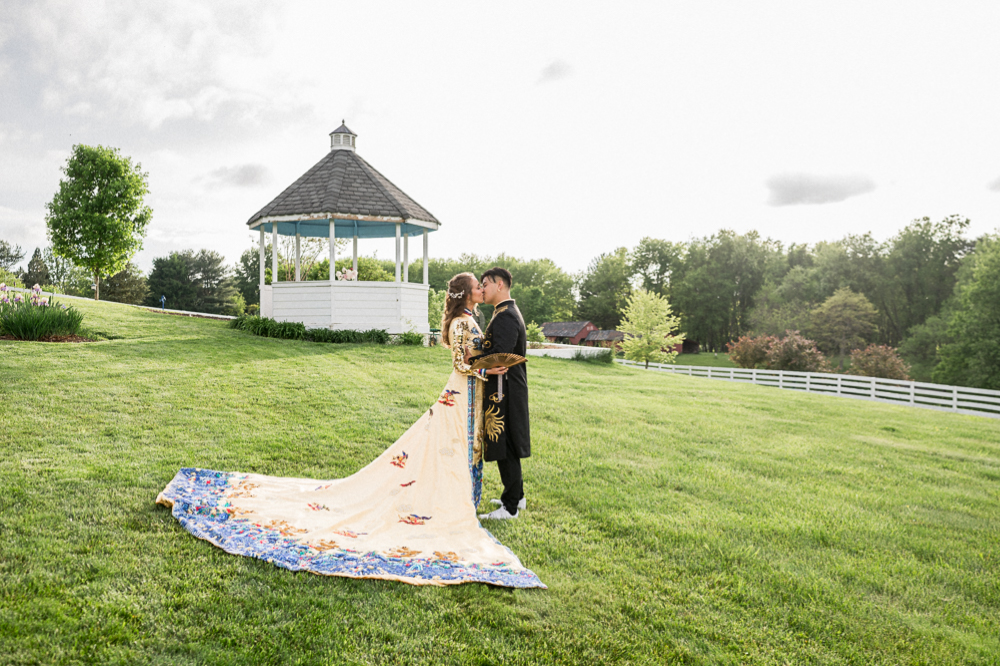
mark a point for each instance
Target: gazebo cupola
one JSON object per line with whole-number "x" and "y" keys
{"x": 343, "y": 196}
{"x": 342, "y": 138}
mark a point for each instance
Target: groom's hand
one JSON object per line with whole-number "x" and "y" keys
{"x": 496, "y": 371}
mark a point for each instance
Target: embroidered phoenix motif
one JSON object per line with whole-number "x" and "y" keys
{"x": 448, "y": 398}
{"x": 400, "y": 461}
{"x": 493, "y": 422}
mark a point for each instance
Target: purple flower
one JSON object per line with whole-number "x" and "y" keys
{"x": 3, "y": 286}
{"x": 36, "y": 288}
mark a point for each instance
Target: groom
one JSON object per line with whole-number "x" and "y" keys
{"x": 507, "y": 438}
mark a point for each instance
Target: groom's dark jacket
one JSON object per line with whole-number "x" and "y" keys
{"x": 507, "y": 431}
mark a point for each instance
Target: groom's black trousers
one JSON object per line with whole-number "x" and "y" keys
{"x": 513, "y": 484}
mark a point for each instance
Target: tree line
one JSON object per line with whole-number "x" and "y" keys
{"x": 929, "y": 290}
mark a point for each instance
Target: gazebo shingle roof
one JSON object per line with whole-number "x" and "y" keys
{"x": 344, "y": 183}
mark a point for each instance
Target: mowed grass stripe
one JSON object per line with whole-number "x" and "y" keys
{"x": 674, "y": 519}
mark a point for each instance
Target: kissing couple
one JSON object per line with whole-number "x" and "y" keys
{"x": 411, "y": 514}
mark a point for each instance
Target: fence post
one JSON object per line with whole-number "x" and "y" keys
{"x": 709, "y": 372}
{"x": 781, "y": 377}
{"x": 753, "y": 375}
{"x": 838, "y": 384}
{"x": 954, "y": 398}
{"x": 808, "y": 377}
{"x": 872, "y": 390}
{"x": 912, "y": 391}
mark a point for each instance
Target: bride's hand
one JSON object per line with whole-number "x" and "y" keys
{"x": 496, "y": 371}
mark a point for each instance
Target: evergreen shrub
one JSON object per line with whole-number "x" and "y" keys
{"x": 292, "y": 330}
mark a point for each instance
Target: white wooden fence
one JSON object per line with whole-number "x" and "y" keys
{"x": 980, "y": 402}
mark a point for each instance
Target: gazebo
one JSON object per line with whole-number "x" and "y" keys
{"x": 343, "y": 196}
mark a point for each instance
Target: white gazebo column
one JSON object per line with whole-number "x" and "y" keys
{"x": 333, "y": 271}
{"x": 397, "y": 252}
{"x": 406, "y": 257}
{"x": 262, "y": 259}
{"x": 425, "y": 258}
{"x": 298, "y": 253}
{"x": 274, "y": 252}
{"x": 355, "y": 264}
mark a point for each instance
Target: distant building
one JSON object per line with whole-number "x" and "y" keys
{"x": 613, "y": 339}
{"x": 604, "y": 339}
{"x": 568, "y": 332}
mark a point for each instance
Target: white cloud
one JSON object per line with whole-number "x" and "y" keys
{"x": 148, "y": 63}
{"x": 555, "y": 70}
{"x": 802, "y": 188}
{"x": 244, "y": 175}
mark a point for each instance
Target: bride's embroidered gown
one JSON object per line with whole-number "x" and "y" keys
{"x": 410, "y": 515}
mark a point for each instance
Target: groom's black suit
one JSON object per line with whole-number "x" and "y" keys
{"x": 507, "y": 436}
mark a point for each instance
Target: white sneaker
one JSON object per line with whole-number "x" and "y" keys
{"x": 523, "y": 504}
{"x": 498, "y": 514}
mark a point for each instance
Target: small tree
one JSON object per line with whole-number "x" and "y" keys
{"x": 649, "y": 326}
{"x": 534, "y": 334}
{"x": 844, "y": 322}
{"x": 748, "y": 352}
{"x": 878, "y": 361}
{"x": 97, "y": 219}
{"x": 794, "y": 352}
{"x": 38, "y": 272}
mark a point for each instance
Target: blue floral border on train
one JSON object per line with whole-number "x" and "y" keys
{"x": 201, "y": 508}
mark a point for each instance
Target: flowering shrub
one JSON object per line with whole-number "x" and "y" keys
{"x": 750, "y": 352}
{"x": 347, "y": 274}
{"x": 33, "y": 317}
{"x": 878, "y": 361}
{"x": 794, "y": 352}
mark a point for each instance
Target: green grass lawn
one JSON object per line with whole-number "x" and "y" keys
{"x": 674, "y": 519}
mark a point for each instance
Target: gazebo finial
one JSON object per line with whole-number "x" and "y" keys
{"x": 343, "y": 138}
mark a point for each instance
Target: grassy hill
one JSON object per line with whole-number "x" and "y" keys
{"x": 674, "y": 519}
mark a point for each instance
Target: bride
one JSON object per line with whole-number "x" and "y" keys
{"x": 409, "y": 515}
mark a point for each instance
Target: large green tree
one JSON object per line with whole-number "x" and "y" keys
{"x": 98, "y": 219}
{"x": 604, "y": 289}
{"x": 653, "y": 261}
{"x": 193, "y": 281}
{"x": 973, "y": 356}
{"x": 920, "y": 270}
{"x": 716, "y": 284}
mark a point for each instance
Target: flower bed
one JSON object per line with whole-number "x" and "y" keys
{"x": 33, "y": 317}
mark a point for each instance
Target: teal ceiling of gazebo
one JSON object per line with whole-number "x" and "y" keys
{"x": 343, "y": 229}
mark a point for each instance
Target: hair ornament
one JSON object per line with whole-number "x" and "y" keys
{"x": 457, "y": 295}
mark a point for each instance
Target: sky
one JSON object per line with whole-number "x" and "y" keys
{"x": 556, "y": 129}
